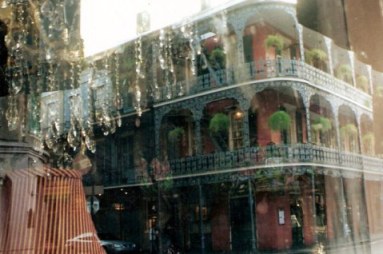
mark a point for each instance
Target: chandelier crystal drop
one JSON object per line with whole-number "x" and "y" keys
{"x": 62, "y": 100}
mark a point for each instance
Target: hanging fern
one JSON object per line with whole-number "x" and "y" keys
{"x": 362, "y": 83}
{"x": 368, "y": 138}
{"x": 344, "y": 72}
{"x": 219, "y": 122}
{"x": 279, "y": 121}
{"x": 217, "y": 58}
{"x": 275, "y": 41}
{"x": 316, "y": 57}
{"x": 175, "y": 134}
{"x": 349, "y": 130}
{"x": 322, "y": 124}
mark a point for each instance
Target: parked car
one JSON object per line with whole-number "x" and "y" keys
{"x": 113, "y": 245}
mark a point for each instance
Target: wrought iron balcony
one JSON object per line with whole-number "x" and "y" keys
{"x": 274, "y": 156}
{"x": 245, "y": 160}
{"x": 263, "y": 70}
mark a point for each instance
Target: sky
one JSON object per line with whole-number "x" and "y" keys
{"x": 108, "y": 23}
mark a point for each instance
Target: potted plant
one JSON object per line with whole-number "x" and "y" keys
{"x": 362, "y": 83}
{"x": 316, "y": 57}
{"x": 344, "y": 73}
{"x": 276, "y": 42}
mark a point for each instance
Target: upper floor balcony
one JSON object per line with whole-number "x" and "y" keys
{"x": 266, "y": 71}
{"x": 253, "y": 162}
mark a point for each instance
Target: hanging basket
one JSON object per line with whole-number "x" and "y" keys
{"x": 279, "y": 121}
{"x": 349, "y": 130}
{"x": 176, "y": 134}
{"x": 217, "y": 58}
{"x": 219, "y": 122}
{"x": 322, "y": 124}
{"x": 275, "y": 41}
{"x": 316, "y": 57}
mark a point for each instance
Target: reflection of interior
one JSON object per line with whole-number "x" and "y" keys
{"x": 296, "y": 216}
{"x": 33, "y": 204}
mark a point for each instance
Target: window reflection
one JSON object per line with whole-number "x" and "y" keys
{"x": 245, "y": 127}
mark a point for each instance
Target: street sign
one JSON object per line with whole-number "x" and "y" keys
{"x": 96, "y": 204}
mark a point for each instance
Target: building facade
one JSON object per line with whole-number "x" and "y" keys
{"x": 256, "y": 134}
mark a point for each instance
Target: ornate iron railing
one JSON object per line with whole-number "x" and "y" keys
{"x": 263, "y": 70}
{"x": 249, "y": 158}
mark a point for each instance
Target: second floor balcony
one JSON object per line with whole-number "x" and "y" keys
{"x": 253, "y": 162}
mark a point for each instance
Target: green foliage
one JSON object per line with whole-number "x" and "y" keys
{"x": 167, "y": 183}
{"x": 362, "y": 83}
{"x": 315, "y": 55}
{"x": 217, "y": 58}
{"x": 379, "y": 91}
{"x": 219, "y": 122}
{"x": 279, "y": 121}
{"x": 322, "y": 124}
{"x": 368, "y": 138}
{"x": 175, "y": 134}
{"x": 275, "y": 41}
{"x": 348, "y": 130}
{"x": 344, "y": 72}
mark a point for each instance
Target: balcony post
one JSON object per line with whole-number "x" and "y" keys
{"x": 338, "y": 141}
{"x": 351, "y": 57}
{"x": 328, "y": 43}
{"x": 306, "y": 101}
{"x": 156, "y": 122}
{"x": 360, "y": 145}
{"x": 370, "y": 84}
{"x": 201, "y": 228}
{"x": 300, "y": 38}
{"x": 197, "y": 134}
{"x": 252, "y": 220}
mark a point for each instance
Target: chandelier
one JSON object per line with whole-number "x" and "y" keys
{"x": 57, "y": 97}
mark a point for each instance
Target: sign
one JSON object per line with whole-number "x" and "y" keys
{"x": 96, "y": 204}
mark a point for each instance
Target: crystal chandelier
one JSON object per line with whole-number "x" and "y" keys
{"x": 58, "y": 98}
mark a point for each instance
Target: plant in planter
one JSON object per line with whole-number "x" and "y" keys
{"x": 276, "y": 42}
{"x": 344, "y": 73}
{"x": 362, "y": 83}
{"x": 316, "y": 57}
{"x": 218, "y": 126}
